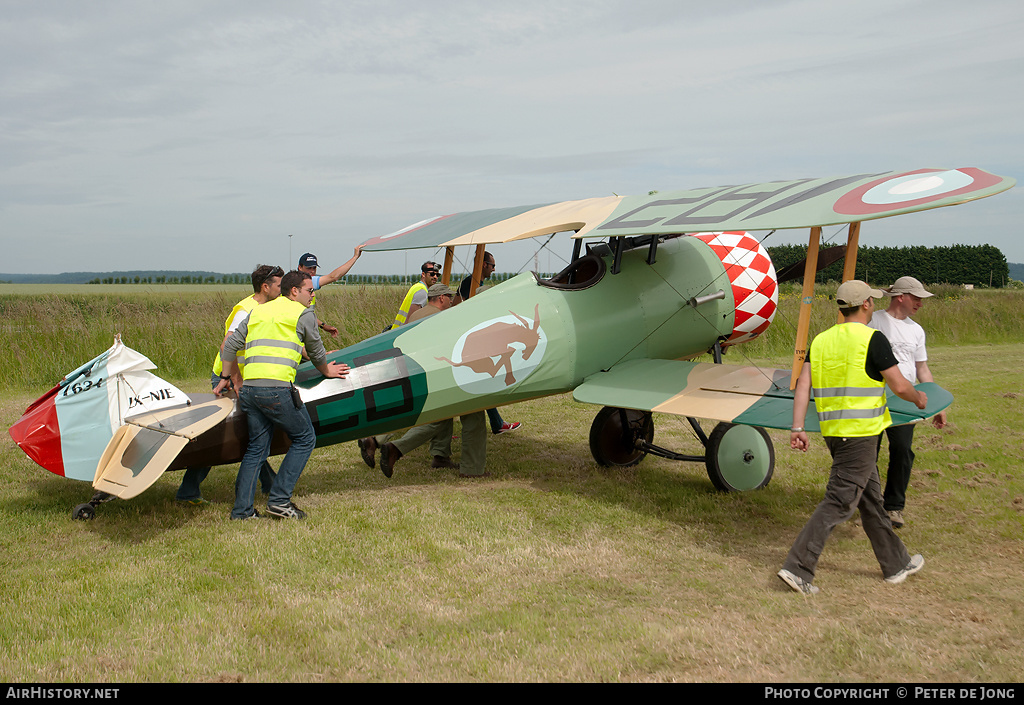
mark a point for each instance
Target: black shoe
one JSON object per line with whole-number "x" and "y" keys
{"x": 254, "y": 515}
{"x": 439, "y": 462}
{"x": 285, "y": 511}
{"x": 389, "y": 455}
{"x": 368, "y": 449}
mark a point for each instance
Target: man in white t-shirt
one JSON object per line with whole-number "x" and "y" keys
{"x": 908, "y": 344}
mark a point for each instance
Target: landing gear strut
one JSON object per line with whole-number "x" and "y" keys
{"x": 87, "y": 510}
{"x": 737, "y": 458}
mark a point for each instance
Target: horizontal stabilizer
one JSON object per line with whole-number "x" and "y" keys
{"x": 146, "y": 445}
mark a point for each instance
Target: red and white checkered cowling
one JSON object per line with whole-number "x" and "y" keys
{"x": 754, "y": 286}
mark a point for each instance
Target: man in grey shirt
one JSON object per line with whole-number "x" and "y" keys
{"x": 273, "y": 337}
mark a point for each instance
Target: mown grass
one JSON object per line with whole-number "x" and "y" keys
{"x": 549, "y": 570}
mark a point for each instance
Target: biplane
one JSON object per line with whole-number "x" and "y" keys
{"x": 654, "y": 282}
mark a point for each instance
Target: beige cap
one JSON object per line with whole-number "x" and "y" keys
{"x": 855, "y": 292}
{"x": 439, "y": 289}
{"x": 908, "y": 285}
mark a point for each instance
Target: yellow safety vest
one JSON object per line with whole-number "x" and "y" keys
{"x": 272, "y": 346}
{"x": 403, "y": 311}
{"x": 849, "y": 403}
{"x": 247, "y": 304}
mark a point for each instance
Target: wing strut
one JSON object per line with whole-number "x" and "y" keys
{"x": 804, "y": 324}
{"x": 478, "y": 270}
{"x": 449, "y": 257}
{"x": 850, "y": 263}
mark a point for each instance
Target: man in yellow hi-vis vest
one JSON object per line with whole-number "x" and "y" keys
{"x": 416, "y": 297}
{"x": 273, "y": 337}
{"x": 848, "y": 367}
{"x": 266, "y": 286}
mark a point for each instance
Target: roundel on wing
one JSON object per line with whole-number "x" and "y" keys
{"x": 754, "y": 286}
{"x": 912, "y": 189}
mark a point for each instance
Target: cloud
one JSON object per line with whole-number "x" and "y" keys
{"x": 168, "y": 131}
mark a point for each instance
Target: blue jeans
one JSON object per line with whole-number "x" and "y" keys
{"x": 267, "y": 408}
{"x": 496, "y": 421}
{"x": 193, "y": 477}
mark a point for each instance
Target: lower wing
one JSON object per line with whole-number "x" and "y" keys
{"x": 751, "y": 396}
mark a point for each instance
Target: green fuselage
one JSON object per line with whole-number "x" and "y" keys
{"x": 521, "y": 340}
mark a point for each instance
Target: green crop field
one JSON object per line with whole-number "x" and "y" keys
{"x": 551, "y": 569}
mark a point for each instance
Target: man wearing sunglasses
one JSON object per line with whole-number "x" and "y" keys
{"x": 416, "y": 297}
{"x": 498, "y": 424}
{"x": 273, "y": 338}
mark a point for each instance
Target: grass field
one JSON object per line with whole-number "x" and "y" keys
{"x": 549, "y": 570}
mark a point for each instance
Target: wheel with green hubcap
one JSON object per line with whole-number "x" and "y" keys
{"x": 739, "y": 458}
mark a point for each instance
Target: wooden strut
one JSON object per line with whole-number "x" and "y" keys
{"x": 478, "y": 270}
{"x": 804, "y": 324}
{"x": 449, "y": 257}
{"x": 850, "y": 263}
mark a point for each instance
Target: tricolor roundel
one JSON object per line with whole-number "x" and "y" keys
{"x": 913, "y": 189}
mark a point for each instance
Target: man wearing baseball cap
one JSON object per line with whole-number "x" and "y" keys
{"x": 309, "y": 265}
{"x": 848, "y": 367}
{"x": 908, "y": 344}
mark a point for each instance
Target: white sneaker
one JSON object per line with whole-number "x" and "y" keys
{"x": 285, "y": 511}
{"x": 916, "y": 564}
{"x": 798, "y": 584}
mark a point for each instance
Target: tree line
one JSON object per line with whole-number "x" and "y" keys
{"x": 208, "y": 278}
{"x": 980, "y": 265}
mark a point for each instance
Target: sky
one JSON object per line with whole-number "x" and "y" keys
{"x": 204, "y": 135}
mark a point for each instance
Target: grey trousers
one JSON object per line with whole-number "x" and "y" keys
{"x": 439, "y": 433}
{"x": 853, "y": 484}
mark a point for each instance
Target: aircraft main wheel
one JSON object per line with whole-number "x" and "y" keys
{"x": 83, "y": 512}
{"x": 739, "y": 458}
{"x": 614, "y": 434}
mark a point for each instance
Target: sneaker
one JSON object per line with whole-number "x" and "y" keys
{"x": 798, "y": 584}
{"x": 197, "y": 502}
{"x": 254, "y": 515}
{"x": 916, "y": 564}
{"x": 896, "y": 517}
{"x": 285, "y": 511}
{"x": 506, "y": 427}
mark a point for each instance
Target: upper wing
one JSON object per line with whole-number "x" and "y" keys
{"x": 497, "y": 225}
{"x": 766, "y": 206}
{"x": 799, "y": 204}
{"x": 735, "y": 394}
